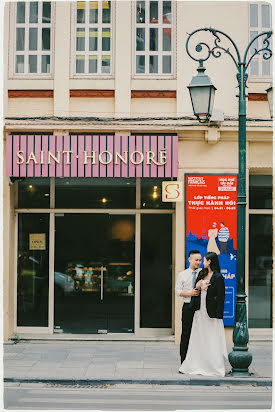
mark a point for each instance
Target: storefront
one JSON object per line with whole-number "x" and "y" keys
{"x": 94, "y": 241}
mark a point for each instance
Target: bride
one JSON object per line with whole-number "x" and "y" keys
{"x": 207, "y": 325}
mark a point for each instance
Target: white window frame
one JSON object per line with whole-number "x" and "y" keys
{"x": 87, "y": 26}
{"x": 26, "y": 52}
{"x": 159, "y": 53}
{"x": 259, "y": 77}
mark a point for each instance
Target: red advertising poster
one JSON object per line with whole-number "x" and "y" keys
{"x": 211, "y": 226}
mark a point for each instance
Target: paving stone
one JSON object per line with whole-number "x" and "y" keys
{"x": 129, "y": 364}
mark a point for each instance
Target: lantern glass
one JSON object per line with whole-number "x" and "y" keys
{"x": 202, "y": 100}
{"x": 270, "y": 100}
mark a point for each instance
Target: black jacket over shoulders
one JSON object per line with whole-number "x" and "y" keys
{"x": 214, "y": 297}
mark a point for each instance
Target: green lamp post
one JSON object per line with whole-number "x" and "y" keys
{"x": 202, "y": 96}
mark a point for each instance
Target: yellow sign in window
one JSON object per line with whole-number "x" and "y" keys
{"x": 37, "y": 241}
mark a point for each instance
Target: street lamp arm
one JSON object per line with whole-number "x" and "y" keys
{"x": 266, "y": 51}
{"x": 216, "y": 50}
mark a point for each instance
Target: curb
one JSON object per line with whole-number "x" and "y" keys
{"x": 186, "y": 381}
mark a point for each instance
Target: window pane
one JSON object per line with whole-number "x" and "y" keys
{"x": 34, "y": 192}
{"x": 80, "y": 17}
{"x": 166, "y": 64}
{"x": 80, "y": 64}
{"x": 93, "y": 12}
{"x": 265, "y": 15}
{"x": 89, "y": 193}
{"x": 153, "y": 39}
{"x": 156, "y": 269}
{"x": 106, "y": 12}
{"x": 151, "y": 197}
{"x": 46, "y": 64}
{"x": 260, "y": 192}
{"x": 140, "y": 12}
{"x": 80, "y": 39}
{"x": 92, "y": 64}
{"x": 140, "y": 64}
{"x": 266, "y": 67}
{"x": 33, "y": 12}
{"x": 167, "y": 15}
{"x": 20, "y": 38}
{"x": 46, "y": 13}
{"x": 19, "y": 65}
{"x": 254, "y": 68}
{"x": 33, "y": 270}
{"x": 105, "y": 64}
{"x": 32, "y": 38}
{"x": 106, "y": 39}
{"x": 93, "y": 39}
{"x": 153, "y": 12}
{"x": 153, "y": 64}
{"x": 46, "y": 39}
{"x": 260, "y": 271}
{"x": 166, "y": 40}
{"x": 253, "y": 15}
{"x": 32, "y": 64}
{"x": 20, "y": 16}
{"x": 254, "y": 45}
{"x": 140, "y": 39}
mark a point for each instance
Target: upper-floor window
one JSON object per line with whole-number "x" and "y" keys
{"x": 33, "y": 37}
{"x": 260, "y": 21}
{"x": 93, "y": 38}
{"x": 154, "y": 37}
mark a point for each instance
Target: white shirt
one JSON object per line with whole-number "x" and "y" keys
{"x": 184, "y": 283}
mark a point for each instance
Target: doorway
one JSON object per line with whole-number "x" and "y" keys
{"x": 94, "y": 273}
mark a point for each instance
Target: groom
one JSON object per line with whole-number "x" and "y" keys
{"x": 185, "y": 287}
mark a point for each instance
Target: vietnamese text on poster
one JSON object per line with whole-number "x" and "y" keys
{"x": 211, "y": 226}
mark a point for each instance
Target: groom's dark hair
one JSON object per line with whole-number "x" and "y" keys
{"x": 194, "y": 252}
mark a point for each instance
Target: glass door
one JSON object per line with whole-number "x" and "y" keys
{"x": 94, "y": 273}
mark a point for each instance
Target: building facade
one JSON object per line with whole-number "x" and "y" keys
{"x": 97, "y": 116}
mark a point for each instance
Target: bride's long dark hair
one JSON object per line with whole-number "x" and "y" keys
{"x": 214, "y": 265}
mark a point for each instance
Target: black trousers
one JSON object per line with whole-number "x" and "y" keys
{"x": 186, "y": 320}
{"x": 223, "y": 247}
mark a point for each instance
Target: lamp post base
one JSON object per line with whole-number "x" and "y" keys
{"x": 240, "y": 361}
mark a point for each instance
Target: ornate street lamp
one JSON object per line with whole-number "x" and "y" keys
{"x": 240, "y": 359}
{"x": 270, "y": 99}
{"x": 202, "y": 93}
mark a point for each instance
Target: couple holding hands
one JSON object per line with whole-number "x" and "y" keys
{"x": 203, "y": 345}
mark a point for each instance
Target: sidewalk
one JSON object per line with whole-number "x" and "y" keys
{"x": 118, "y": 362}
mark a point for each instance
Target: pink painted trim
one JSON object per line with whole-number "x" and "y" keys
{"x": 45, "y": 160}
{"x": 168, "y": 165}
{"x": 132, "y": 167}
{"x": 139, "y": 148}
{"x": 175, "y": 157}
{"x": 117, "y": 149}
{"x": 66, "y": 166}
{"x": 23, "y": 146}
{"x": 146, "y": 167}
{"x": 15, "y": 150}
{"x": 103, "y": 146}
{"x": 52, "y": 150}
{"x": 30, "y": 147}
{"x": 60, "y": 149}
{"x": 9, "y": 155}
{"x": 88, "y": 166}
{"x": 110, "y": 167}
{"x": 37, "y": 167}
{"x": 154, "y": 150}
{"x": 95, "y": 148}
{"x": 160, "y": 147}
{"x": 80, "y": 171}
{"x": 73, "y": 156}
{"x": 124, "y": 147}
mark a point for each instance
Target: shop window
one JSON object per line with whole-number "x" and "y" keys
{"x": 151, "y": 194}
{"x": 33, "y": 270}
{"x": 260, "y": 192}
{"x": 33, "y": 38}
{"x": 260, "y": 21}
{"x": 260, "y": 271}
{"x": 34, "y": 193}
{"x": 156, "y": 271}
{"x": 99, "y": 193}
{"x": 154, "y": 36}
{"x": 93, "y": 38}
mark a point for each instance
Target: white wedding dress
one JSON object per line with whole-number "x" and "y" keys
{"x": 207, "y": 345}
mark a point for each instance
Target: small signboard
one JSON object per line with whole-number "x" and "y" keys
{"x": 37, "y": 241}
{"x": 172, "y": 191}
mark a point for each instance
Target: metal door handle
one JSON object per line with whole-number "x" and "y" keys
{"x": 101, "y": 287}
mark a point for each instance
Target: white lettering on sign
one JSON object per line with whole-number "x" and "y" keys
{"x": 172, "y": 191}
